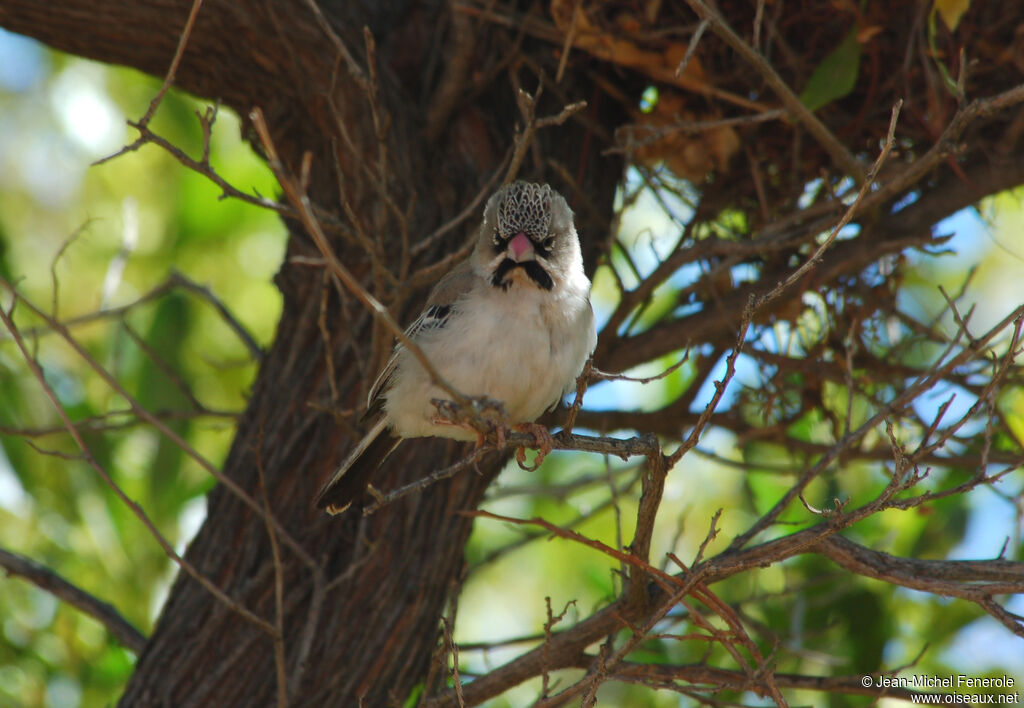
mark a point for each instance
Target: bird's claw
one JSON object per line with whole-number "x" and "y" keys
{"x": 545, "y": 444}
{"x": 499, "y": 437}
{"x": 482, "y": 416}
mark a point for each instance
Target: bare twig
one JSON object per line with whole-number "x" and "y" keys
{"x": 865, "y": 185}
{"x": 301, "y": 203}
{"x": 357, "y": 72}
{"x": 454, "y": 649}
{"x": 132, "y": 506}
{"x": 54, "y": 280}
{"x": 531, "y": 124}
{"x": 577, "y": 8}
{"x": 279, "y": 650}
{"x": 598, "y": 375}
{"x": 172, "y": 71}
{"x": 138, "y": 410}
{"x": 976, "y": 581}
{"x": 530, "y": 24}
{"x": 182, "y": 280}
{"x": 691, "y": 46}
{"x": 964, "y": 117}
{"x": 115, "y": 420}
{"x": 924, "y": 382}
{"x": 51, "y": 581}
{"x": 552, "y": 620}
{"x": 425, "y": 482}
{"x": 836, "y": 150}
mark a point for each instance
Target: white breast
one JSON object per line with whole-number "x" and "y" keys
{"x": 523, "y": 347}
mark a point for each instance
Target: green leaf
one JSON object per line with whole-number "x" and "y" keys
{"x": 951, "y": 11}
{"x": 414, "y": 697}
{"x": 835, "y": 76}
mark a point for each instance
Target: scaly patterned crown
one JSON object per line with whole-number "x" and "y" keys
{"x": 525, "y": 207}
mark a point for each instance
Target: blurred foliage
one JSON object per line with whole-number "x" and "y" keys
{"x": 79, "y": 240}
{"x": 68, "y": 235}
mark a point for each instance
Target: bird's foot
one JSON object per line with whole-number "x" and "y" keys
{"x": 488, "y": 408}
{"x": 544, "y": 441}
{"x": 482, "y": 416}
{"x": 499, "y": 435}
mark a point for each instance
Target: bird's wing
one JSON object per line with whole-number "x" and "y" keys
{"x": 351, "y": 478}
{"x": 435, "y": 315}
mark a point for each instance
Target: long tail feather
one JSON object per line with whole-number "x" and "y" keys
{"x": 351, "y": 479}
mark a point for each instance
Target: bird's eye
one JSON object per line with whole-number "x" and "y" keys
{"x": 549, "y": 243}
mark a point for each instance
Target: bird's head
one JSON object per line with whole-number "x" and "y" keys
{"x": 527, "y": 238}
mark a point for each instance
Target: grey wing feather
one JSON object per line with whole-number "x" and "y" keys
{"x": 435, "y": 315}
{"x": 351, "y": 479}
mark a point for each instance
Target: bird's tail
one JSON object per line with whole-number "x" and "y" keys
{"x": 351, "y": 479}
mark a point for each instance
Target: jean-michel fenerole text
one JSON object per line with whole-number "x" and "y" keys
{"x": 958, "y": 681}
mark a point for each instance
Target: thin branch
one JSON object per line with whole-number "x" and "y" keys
{"x": 137, "y": 510}
{"x": 109, "y": 421}
{"x": 357, "y": 72}
{"x": 182, "y": 280}
{"x": 964, "y": 117}
{"x": 564, "y": 648}
{"x": 530, "y": 24}
{"x": 531, "y": 124}
{"x": 629, "y": 558}
{"x": 865, "y": 185}
{"x": 54, "y": 280}
{"x": 570, "y": 35}
{"x": 51, "y": 581}
{"x": 174, "y": 281}
{"x": 139, "y": 410}
{"x": 454, "y": 649}
{"x": 923, "y": 383}
{"x": 468, "y": 211}
{"x": 691, "y": 47}
{"x": 424, "y": 482}
{"x": 147, "y": 136}
{"x": 279, "y": 649}
{"x": 703, "y": 675}
{"x": 172, "y": 71}
{"x": 301, "y": 203}
{"x": 836, "y": 150}
{"x": 580, "y": 519}
{"x": 976, "y": 581}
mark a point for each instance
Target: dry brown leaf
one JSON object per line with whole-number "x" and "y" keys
{"x": 1015, "y": 52}
{"x": 867, "y": 33}
{"x": 651, "y": 10}
{"x": 660, "y": 66}
{"x": 690, "y": 155}
{"x": 628, "y": 24}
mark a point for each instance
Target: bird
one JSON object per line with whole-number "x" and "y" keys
{"x": 513, "y": 323}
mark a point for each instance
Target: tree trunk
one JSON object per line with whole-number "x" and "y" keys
{"x": 361, "y": 613}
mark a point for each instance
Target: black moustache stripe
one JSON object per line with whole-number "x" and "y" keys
{"x": 534, "y": 271}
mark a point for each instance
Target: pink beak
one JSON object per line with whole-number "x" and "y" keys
{"x": 520, "y": 247}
